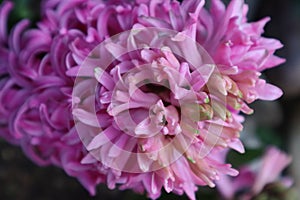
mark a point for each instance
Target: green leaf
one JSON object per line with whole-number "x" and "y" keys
{"x": 268, "y": 136}
{"x": 237, "y": 159}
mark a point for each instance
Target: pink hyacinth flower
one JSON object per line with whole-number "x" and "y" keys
{"x": 191, "y": 105}
{"x": 252, "y": 180}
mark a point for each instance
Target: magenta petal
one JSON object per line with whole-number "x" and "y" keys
{"x": 4, "y": 11}
{"x": 88, "y": 159}
{"x": 15, "y": 38}
{"x": 267, "y": 91}
{"x": 237, "y": 145}
{"x": 102, "y": 138}
{"x": 86, "y": 117}
{"x": 274, "y": 162}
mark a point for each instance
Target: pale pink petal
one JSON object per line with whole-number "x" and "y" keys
{"x": 274, "y": 161}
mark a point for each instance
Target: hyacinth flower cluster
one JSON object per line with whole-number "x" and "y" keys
{"x": 144, "y": 95}
{"x": 260, "y": 179}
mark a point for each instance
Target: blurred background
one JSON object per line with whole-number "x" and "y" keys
{"x": 273, "y": 123}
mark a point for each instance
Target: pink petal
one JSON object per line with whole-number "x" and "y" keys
{"x": 267, "y": 91}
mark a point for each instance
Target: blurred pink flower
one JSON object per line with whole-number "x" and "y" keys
{"x": 253, "y": 178}
{"x": 38, "y": 68}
